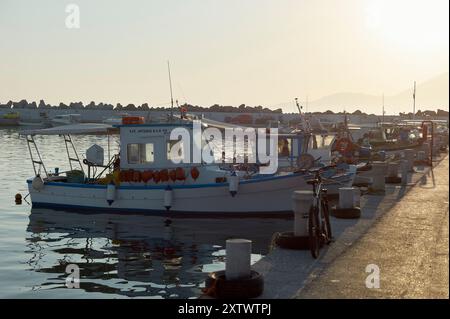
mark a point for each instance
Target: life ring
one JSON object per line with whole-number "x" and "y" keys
{"x": 195, "y": 173}
{"x": 343, "y": 145}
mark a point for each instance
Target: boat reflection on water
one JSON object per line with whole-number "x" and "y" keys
{"x": 135, "y": 255}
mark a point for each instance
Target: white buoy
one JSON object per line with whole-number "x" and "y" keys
{"x": 346, "y": 197}
{"x": 301, "y": 202}
{"x": 38, "y": 183}
{"x": 233, "y": 183}
{"x": 168, "y": 197}
{"x": 110, "y": 193}
{"x": 404, "y": 170}
{"x": 378, "y": 176}
{"x": 409, "y": 156}
{"x": 238, "y": 259}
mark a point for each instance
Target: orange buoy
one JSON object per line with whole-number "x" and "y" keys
{"x": 129, "y": 175}
{"x": 126, "y": 120}
{"x": 122, "y": 176}
{"x": 147, "y": 176}
{"x": 156, "y": 177}
{"x": 173, "y": 175}
{"x": 195, "y": 173}
{"x": 164, "y": 175}
{"x": 136, "y": 176}
{"x": 180, "y": 174}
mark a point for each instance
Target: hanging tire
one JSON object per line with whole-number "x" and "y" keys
{"x": 393, "y": 180}
{"x": 217, "y": 286}
{"x": 288, "y": 240}
{"x": 346, "y": 213}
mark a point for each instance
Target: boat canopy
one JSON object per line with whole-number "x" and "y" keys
{"x": 81, "y": 128}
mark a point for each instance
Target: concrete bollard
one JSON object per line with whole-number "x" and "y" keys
{"x": 378, "y": 177}
{"x": 346, "y": 197}
{"x": 301, "y": 202}
{"x": 238, "y": 254}
{"x": 392, "y": 174}
{"x": 392, "y": 170}
{"x": 421, "y": 157}
{"x": 404, "y": 171}
{"x": 408, "y": 155}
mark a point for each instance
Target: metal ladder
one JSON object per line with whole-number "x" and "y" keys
{"x": 72, "y": 158}
{"x": 36, "y": 159}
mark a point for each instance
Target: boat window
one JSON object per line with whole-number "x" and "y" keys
{"x": 140, "y": 153}
{"x": 320, "y": 141}
{"x": 179, "y": 155}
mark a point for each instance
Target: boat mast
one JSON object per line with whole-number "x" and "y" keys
{"x": 171, "y": 95}
{"x": 382, "y": 116}
{"x": 414, "y": 101}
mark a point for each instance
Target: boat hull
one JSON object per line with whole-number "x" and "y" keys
{"x": 261, "y": 196}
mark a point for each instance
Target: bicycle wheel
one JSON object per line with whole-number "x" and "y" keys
{"x": 314, "y": 231}
{"x": 326, "y": 225}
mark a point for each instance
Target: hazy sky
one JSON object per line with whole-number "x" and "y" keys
{"x": 256, "y": 52}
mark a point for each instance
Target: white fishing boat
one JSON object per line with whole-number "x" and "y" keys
{"x": 65, "y": 119}
{"x": 145, "y": 177}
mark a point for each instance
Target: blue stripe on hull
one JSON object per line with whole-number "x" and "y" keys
{"x": 153, "y": 212}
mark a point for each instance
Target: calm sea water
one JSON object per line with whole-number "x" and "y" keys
{"x": 118, "y": 255}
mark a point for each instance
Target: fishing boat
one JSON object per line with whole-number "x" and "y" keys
{"x": 147, "y": 177}
{"x": 65, "y": 119}
{"x": 10, "y": 119}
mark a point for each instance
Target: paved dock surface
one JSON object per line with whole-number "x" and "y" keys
{"x": 409, "y": 245}
{"x": 404, "y": 233}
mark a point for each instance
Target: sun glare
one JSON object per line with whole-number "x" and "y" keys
{"x": 411, "y": 24}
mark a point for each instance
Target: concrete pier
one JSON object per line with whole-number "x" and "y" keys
{"x": 404, "y": 233}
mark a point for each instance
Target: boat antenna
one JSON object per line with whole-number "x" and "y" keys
{"x": 414, "y": 101}
{"x": 382, "y": 116}
{"x": 306, "y": 106}
{"x": 171, "y": 94}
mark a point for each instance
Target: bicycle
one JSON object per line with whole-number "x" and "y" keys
{"x": 319, "y": 227}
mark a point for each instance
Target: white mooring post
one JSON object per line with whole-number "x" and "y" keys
{"x": 409, "y": 156}
{"x": 346, "y": 197}
{"x": 393, "y": 170}
{"x": 421, "y": 156}
{"x": 378, "y": 176}
{"x": 238, "y": 254}
{"x": 301, "y": 202}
